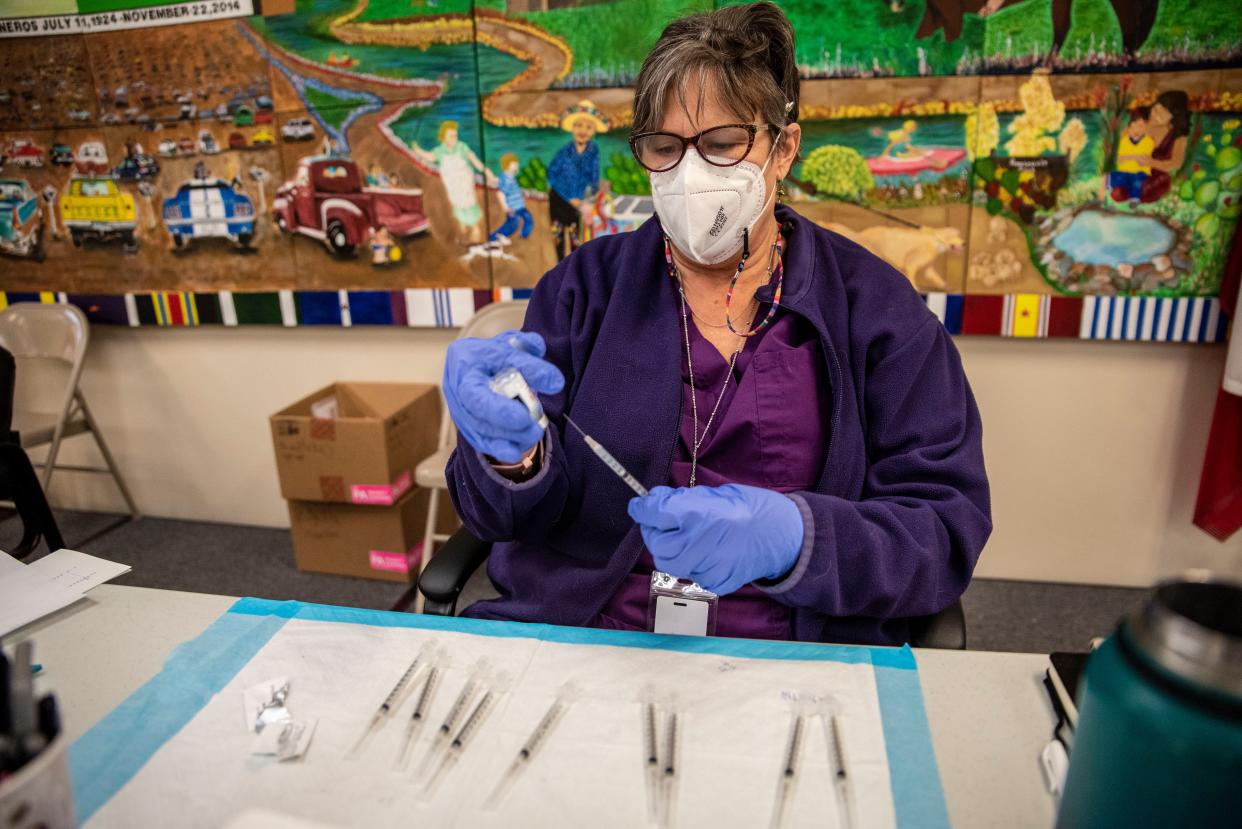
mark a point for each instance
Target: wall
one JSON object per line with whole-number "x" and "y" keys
{"x": 1093, "y": 449}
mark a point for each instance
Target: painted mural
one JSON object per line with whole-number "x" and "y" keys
{"x": 1084, "y": 150}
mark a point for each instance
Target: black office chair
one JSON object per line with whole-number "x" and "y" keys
{"x": 446, "y": 575}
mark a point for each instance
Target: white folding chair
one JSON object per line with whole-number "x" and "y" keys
{"x": 492, "y": 320}
{"x": 48, "y": 343}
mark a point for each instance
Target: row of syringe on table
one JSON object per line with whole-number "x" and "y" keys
{"x": 466, "y": 716}
{"x": 660, "y": 717}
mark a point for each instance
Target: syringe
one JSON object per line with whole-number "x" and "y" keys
{"x": 392, "y": 701}
{"x": 651, "y": 753}
{"x": 609, "y": 461}
{"x": 789, "y": 768}
{"x": 445, "y": 732}
{"x": 419, "y": 716}
{"x": 467, "y": 731}
{"x": 536, "y": 739}
{"x": 841, "y": 775}
{"x": 668, "y": 784}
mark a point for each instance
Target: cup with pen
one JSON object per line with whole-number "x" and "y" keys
{"x": 34, "y": 773}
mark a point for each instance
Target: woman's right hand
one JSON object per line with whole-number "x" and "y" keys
{"x": 492, "y": 423}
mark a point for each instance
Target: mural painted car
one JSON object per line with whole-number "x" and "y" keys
{"x": 326, "y": 200}
{"x": 25, "y": 153}
{"x": 91, "y": 159}
{"x": 136, "y": 167}
{"x": 207, "y": 144}
{"x": 209, "y": 207}
{"x": 62, "y": 155}
{"x": 262, "y": 138}
{"x": 167, "y": 148}
{"x": 298, "y": 129}
{"x": 21, "y": 220}
{"x": 96, "y": 208}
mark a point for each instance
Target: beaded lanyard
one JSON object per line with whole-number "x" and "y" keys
{"x": 776, "y": 264}
{"x": 774, "y": 256}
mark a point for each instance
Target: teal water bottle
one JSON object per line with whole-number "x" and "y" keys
{"x": 1159, "y": 736}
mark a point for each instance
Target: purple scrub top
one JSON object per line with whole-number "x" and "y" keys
{"x": 770, "y": 432}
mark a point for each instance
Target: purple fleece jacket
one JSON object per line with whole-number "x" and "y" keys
{"x": 899, "y": 515}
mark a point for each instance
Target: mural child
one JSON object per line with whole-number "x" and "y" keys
{"x": 573, "y": 175}
{"x": 516, "y": 213}
{"x": 1126, "y": 182}
{"x": 455, "y": 161}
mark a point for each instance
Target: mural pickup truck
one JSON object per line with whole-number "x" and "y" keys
{"x": 21, "y": 226}
{"x": 95, "y": 208}
{"x": 327, "y": 201}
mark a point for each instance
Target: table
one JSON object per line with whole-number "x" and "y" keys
{"x": 988, "y": 712}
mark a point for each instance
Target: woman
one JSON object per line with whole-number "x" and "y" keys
{"x": 801, "y": 419}
{"x": 573, "y": 175}
{"x": 454, "y": 161}
{"x": 1167, "y": 126}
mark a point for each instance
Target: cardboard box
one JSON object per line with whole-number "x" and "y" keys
{"x": 355, "y": 442}
{"x": 371, "y": 542}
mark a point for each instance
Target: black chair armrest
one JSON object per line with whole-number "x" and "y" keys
{"x": 945, "y": 630}
{"x": 447, "y": 572}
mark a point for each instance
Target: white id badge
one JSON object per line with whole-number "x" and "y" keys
{"x": 681, "y": 607}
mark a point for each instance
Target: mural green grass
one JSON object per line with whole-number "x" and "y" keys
{"x": 330, "y": 108}
{"x": 395, "y": 9}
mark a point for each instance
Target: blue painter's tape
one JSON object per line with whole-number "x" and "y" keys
{"x": 105, "y": 758}
{"x": 918, "y": 797}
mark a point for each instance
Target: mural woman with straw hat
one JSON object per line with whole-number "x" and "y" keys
{"x": 573, "y": 175}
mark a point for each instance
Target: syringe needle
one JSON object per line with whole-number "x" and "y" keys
{"x": 668, "y": 788}
{"x": 651, "y": 756}
{"x": 463, "y": 737}
{"x": 789, "y": 769}
{"x": 527, "y": 753}
{"x": 609, "y": 461}
{"x": 445, "y": 731}
{"x": 419, "y": 716}
{"x": 841, "y": 778}
{"x": 391, "y": 702}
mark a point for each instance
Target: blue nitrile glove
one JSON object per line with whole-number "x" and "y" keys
{"x": 722, "y": 537}
{"x": 496, "y": 425}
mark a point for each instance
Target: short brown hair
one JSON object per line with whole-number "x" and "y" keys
{"x": 507, "y": 159}
{"x": 747, "y": 50}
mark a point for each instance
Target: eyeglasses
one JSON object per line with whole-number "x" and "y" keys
{"x": 723, "y": 146}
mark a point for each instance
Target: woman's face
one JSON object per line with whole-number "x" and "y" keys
{"x": 1160, "y": 116}
{"x": 450, "y": 137}
{"x": 714, "y": 114}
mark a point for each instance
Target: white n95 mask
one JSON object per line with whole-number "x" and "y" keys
{"x": 705, "y": 210}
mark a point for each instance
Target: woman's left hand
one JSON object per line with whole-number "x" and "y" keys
{"x": 721, "y": 537}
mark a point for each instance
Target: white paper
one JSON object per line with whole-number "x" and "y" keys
{"x": 267, "y": 819}
{"x": 733, "y": 724}
{"x": 76, "y": 571}
{"x": 27, "y": 594}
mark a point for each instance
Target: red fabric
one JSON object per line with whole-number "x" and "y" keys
{"x": 1218, "y": 509}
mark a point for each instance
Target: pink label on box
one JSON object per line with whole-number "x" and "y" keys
{"x": 397, "y": 562}
{"x": 381, "y": 494}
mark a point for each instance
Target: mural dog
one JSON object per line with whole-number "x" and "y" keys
{"x": 911, "y": 250}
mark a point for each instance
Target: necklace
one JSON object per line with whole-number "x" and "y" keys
{"x": 697, "y": 441}
{"x": 696, "y": 315}
{"x": 774, "y": 260}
